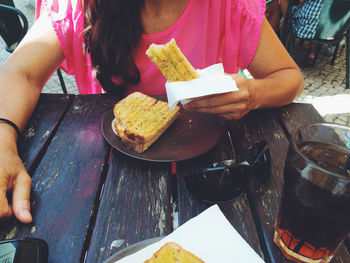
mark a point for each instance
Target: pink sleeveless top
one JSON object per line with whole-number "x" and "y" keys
{"x": 207, "y": 32}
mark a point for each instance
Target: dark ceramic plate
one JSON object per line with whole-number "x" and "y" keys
{"x": 132, "y": 249}
{"x": 191, "y": 135}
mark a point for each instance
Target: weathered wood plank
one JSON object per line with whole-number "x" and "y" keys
{"x": 40, "y": 127}
{"x": 237, "y": 212}
{"x": 67, "y": 180}
{"x": 37, "y": 135}
{"x": 264, "y": 195}
{"x": 297, "y": 114}
{"x": 136, "y": 205}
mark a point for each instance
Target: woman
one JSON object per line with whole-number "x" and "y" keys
{"x": 102, "y": 42}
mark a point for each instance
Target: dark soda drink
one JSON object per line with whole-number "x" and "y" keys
{"x": 314, "y": 214}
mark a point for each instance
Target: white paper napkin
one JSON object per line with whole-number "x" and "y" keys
{"x": 212, "y": 80}
{"x": 209, "y": 236}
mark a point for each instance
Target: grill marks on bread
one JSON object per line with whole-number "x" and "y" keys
{"x": 140, "y": 120}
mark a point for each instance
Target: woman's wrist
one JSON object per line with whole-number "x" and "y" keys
{"x": 256, "y": 94}
{"x": 8, "y": 137}
{"x": 13, "y": 125}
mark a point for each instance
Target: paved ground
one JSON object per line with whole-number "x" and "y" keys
{"x": 53, "y": 85}
{"x": 324, "y": 83}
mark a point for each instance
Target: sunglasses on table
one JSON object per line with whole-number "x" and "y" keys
{"x": 24, "y": 250}
{"x": 228, "y": 180}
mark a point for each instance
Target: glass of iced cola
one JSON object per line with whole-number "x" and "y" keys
{"x": 314, "y": 213}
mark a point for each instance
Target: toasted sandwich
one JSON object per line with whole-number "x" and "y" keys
{"x": 171, "y": 62}
{"x": 173, "y": 253}
{"x": 140, "y": 120}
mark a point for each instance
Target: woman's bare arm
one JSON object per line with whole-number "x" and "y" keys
{"x": 21, "y": 81}
{"x": 277, "y": 81}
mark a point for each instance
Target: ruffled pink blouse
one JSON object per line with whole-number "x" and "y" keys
{"x": 207, "y": 32}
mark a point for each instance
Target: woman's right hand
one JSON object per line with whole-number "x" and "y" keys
{"x": 21, "y": 80}
{"x": 15, "y": 180}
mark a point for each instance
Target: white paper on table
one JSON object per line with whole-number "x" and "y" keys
{"x": 212, "y": 80}
{"x": 209, "y": 236}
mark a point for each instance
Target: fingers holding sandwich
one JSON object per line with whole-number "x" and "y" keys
{"x": 230, "y": 105}
{"x": 175, "y": 67}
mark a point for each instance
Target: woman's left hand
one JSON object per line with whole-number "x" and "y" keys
{"x": 277, "y": 80}
{"x": 231, "y": 105}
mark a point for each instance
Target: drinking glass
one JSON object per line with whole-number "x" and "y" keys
{"x": 314, "y": 213}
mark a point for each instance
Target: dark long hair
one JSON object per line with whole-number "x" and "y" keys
{"x": 112, "y": 32}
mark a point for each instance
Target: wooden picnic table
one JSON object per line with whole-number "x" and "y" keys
{"x": 85, "y": 195}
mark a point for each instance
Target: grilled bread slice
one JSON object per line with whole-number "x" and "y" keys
{"x": 140, "y": 120}
{"x": 173, "y": 253}
{"x": 171, "y": 62}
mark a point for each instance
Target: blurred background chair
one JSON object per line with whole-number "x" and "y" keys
{"x": 13, "y": 27}
{"x": 332, "y": 28}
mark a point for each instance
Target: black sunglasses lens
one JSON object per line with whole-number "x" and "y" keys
{"x": 23, "y": 251}
{"x": 219, "y": 185}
